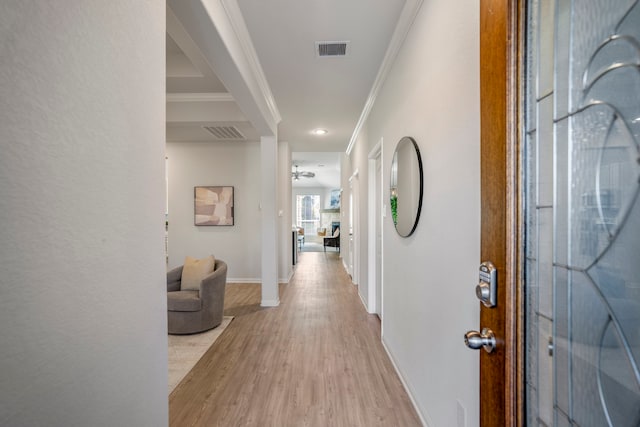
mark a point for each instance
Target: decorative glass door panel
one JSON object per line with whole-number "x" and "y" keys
{"x": 582, "y": 213}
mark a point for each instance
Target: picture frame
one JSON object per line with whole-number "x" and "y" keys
{"x": 334, "y": 202}
{"x": 213, "y": 205}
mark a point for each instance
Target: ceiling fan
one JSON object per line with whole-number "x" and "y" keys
{"x": 297, "y": 174}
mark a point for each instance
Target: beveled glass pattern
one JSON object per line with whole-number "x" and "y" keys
{"x": 582, "y": 213}
{"x": 545, "y": 47}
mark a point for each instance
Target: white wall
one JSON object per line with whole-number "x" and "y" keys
{"x": 83, "y": 285}
{"x": 234, "y": 164}
{"x": 432, "y": 94}
{"x": 285, "y": 268}
{"x": 359, "y": 184}
{"x": 345, "y": 173}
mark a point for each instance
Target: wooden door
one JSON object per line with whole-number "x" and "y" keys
{"x": 499, "y": 234}
{"x": 580, "y": 159}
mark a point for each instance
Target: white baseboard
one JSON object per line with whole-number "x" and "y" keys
{"x": 423, "y": 417}
{"x": 287, "y": 280}
{"x": 344, "y": 264}
{"x": 244, "y": 280}
{"x": 270, "y": 303}
{"x": 256, "y": 280}
{"x": 363, "y": 301}
{"x": 263, "y": 303}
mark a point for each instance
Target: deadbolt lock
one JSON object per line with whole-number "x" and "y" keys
{"x": 487, "y": 286}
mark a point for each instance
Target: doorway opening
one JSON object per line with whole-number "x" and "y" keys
{"x": 316, "y": 200}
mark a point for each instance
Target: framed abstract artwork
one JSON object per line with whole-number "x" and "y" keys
{"x": 335, "y": 199}
{"x": 213, "y": 205}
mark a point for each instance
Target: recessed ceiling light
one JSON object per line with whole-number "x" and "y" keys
{"x": 319, "y": 131}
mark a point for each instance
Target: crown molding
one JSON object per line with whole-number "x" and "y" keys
{"x": 407, "y": 16}
{"x": 244, "y": 38}
{"x": 200, "y": 97}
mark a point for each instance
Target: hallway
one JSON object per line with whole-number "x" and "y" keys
{"x": 316, "y": 360}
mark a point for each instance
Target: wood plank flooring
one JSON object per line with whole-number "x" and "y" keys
{"x": 316, "y": 360}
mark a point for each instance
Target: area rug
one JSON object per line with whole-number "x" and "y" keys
{"x": 186, "y": 350}
{"x": 312, "y": 247}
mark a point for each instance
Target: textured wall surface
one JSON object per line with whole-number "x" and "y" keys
{"x": 82, "y": 283}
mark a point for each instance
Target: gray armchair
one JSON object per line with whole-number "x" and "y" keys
{"x": 190, "y": 312}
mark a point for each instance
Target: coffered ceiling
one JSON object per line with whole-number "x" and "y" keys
{"x": 241, "y": 69}
{"x": 291, "y": 85}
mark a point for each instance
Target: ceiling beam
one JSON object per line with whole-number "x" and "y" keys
{"x": 185, "y": 108}
{"x": 219, "y": 31}
{"x": 186, "y": 44}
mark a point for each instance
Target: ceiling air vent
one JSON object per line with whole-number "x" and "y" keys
{"x": 225, "y": 132}
{"x": 331, "y": 48}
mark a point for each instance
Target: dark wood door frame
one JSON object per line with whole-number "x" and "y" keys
{"x": 501, "y": 373}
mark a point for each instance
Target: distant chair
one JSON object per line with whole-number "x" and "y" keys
{"x": 322, "y": 232}
{"x": 300, "y": 237}
{"x": 333, "y": 241}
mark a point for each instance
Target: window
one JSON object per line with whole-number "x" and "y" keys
{"x": 308, "y": 212}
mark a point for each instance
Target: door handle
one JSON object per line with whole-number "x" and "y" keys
{"x": 485, "y": 339}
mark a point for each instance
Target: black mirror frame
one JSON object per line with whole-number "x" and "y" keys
{"x": 421, "y": 179}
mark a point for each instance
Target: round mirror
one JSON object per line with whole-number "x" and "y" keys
{"x": 406, "y": 186}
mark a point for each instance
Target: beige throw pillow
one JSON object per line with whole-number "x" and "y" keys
{"x": 194, "y": 271}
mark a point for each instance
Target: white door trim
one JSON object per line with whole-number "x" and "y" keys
{"x": 374, "y": 199}
{"x": 354, "y": 227}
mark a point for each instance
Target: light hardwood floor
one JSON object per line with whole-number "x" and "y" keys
{"x": 316, "y": 360}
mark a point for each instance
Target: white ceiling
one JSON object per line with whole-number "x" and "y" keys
{"x": 325, "y": 165}
{"x": 308, "y": 91}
